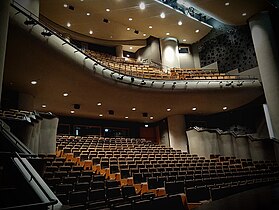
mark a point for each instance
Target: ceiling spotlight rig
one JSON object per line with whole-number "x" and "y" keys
{"x": 46, "y": 33}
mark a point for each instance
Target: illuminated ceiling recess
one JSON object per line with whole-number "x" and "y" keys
{"x": 123, "y": 15}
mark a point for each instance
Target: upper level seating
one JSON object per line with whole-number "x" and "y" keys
{"x": 14, "y": 114}
{"x": 132, "y": 67}
{"x": 93, "y": 162}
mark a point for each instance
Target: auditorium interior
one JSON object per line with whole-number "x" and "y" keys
{"x": 140, "y": 104}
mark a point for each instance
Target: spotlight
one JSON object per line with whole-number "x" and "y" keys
{"x": 112, "y": 73}
{"x": 229, "y": 83}
{"x": 240, "y": 84}
{"x": 86, "y": 57}
{"x": 29, "y": 22}
{"x": 104, "y": 69}
{"x": 136, "y": 32}
{"x": 46, "y": 33}
{"x": 143, "y": 82}
{"x": 132, "y": 79}
{"x": 120, "y": 78}
{"x": 106, "y": 20}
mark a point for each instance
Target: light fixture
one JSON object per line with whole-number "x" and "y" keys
{"x": 69, "y": 24}
{"x": 134, "y": 109}
{"x": 34, "y": 82}
{"x": 151, "y": 118}
{"x": 167, "y": 33}
{"x": 136, "y": 32}
{"x": 225, "y": 108}
{"x": 99, "y": 104}
{"x": 163, "y": 15}
{"x": 130, "y": 19}
{"x": 65, "y": 94}
{"x": 90, "y": 32}
{"x": 184, "y": 40}
{"x": 100, "y": 115}
{"x": 143, "y": 82}
{"x": 179, "y": 23}
{"x": 142, "y": 5}
{"x": 146, "y": 125}
{"x": 126, "y": 117}
{"x": 144, "y": 34}
{"x": 43, "y": 106}
{"x": 194, "y": 108}
{"x": 107, "y": 10}
{"x": 132, "y": 79}
{"x": 131, "y": 48}
{"x": 105, "y": 20}
{"x": 150, "y": 27}
{"x": 72, "y": 111}
{"x": 65, "y": 5}
{"x": 168, "y": 109}
{"x": 128, "y": 29}
{"x": 227, "y": 3}
{"x": 128, "y": 55}
{"x": 244, "y": 14}
{"x": 197, "y": 31}
{"x": 88, "y": 13}
{"x": 46, "y": 33}
{"x": 120, "y": 77}
{"x": 29, "y": 22}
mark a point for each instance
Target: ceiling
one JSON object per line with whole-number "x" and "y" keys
{"x": 128, "y": 23}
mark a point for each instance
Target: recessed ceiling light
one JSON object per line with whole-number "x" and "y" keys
{"x": 72, "y": 111}
{"x": 65, "y": 94}
{"x": 167, "y": 33}
{"x": 146, "y": 125}
{"x": 128, "y": 55}
{"x": 34, "y": 82}
{"x": 227, "y": 3}
{"x": 100, "y": 115}
{"x": 90, "y": 32}
{"x": 144, "y": 34}
{"x": 43, "y": 105}
{"x": 142, "y": 5}
{"x": 162, "y": 15}
{"x": 149, "y": 26}
{"x": 65, "y": 5}
{"x": 225, "y": 108}
{"x": 134, "y": 109}
{"x": 184, "y": 40}
{"x": 81, "y": 0}
{"x": 197, "y": 31}
{"x": 68, "y": 24}
{"x": 126, "y": 117}
{"x": 128, "y": 29}
{"x": 194, "y": 108}
{"x": 151, "y": 117}
{"x": 179, "y": 23}
{"x": 111, "y": 37}
{"x": 244, "y": 14}
{"x": 88, "y": 13}
{"x": 168, "y": 109}
{"x": 107, "y": 9}
{"x": 99, "y": 104}
{"x": 131, "y": 48}
{"x": 130, "y": 19}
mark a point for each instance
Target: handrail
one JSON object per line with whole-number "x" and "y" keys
{"x": 234, "y": 134}
{"x": 51, "y": 200}
{"x": 14, "y": 140}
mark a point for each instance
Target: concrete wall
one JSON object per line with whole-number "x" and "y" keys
{"x": 169, "y": 52}
{"x": 151, "y": 51}
{"x": 205, "y": 143}
{"x": 186, "y": 60}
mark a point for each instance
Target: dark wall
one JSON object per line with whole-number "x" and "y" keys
{"x": 231, "y": 46}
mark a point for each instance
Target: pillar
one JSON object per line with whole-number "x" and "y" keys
{"x": 119, "y": 51}
{"x": 177, "y": 132}
{"x": 170, "y": 53}
{"x": 4, "y": 21}
{"x": 268, "y": 61}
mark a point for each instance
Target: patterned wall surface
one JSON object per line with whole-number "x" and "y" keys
{"x": 231, "y": 46}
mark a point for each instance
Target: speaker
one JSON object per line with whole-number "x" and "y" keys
{"x": 145, "y": 114}
{"x": 111, "y": 112}
{"x": 77, "y": 106}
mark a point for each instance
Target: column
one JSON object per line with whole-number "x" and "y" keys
{"x": 169, "y": 52}
{"x": 177, "y": 132}
{"x": 4, "y": 21}
{"x": 268, "y": 61}
{"x": 119, "y": 51}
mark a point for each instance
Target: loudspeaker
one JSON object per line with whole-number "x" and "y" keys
{"x": 145, "y": 114}
{"x": 77, "y": 106}
{"x": 111, "y": 112}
